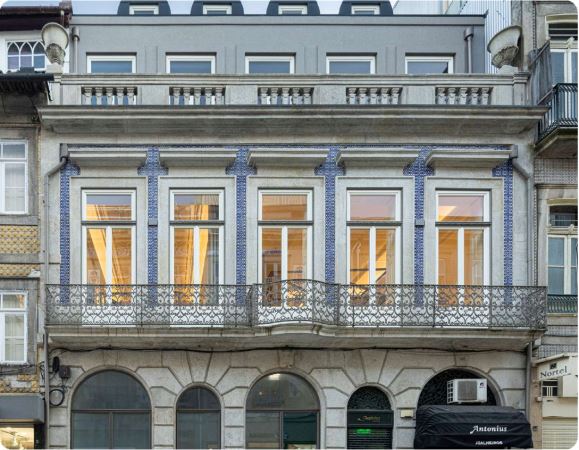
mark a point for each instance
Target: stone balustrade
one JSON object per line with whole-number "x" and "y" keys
{"x": 373, "y": 95}
{"x": 285, "y": 95}
{"x": 109, "y": 95}
{"x": 189, "y": 95}
{"x": 471, "y": 95}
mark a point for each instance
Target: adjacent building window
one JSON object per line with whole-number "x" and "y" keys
{"x": 269, "y": 64}
{"x": 373, "y": 237}
{"x": 110, "y": 409}
{"x": 197, "y": 237}
{"x": 13, "y": 327}
{"x": 563, "y": 36}
{"x": 108, "y": 235}
{"x": 198, "y": 419}
{"x": 351, "y": 64}
{"x": 282, "y": 412}
{"x": 550, "y": 388}
{"x": 111, "y": 63}
{"x": 285, "y": 229}
{"x": 293, "y": 10}
{"x": 26, "y": 54}
{"x": 13, "y": 177}
{"x": 420, "y": 65}
{"x": 144, "y": 10}
{"x": 365, "y": 10}
{"x": 217, "y": 10}
{"x": 563, "y": 216}
{"x": 190, "y": 64}
{"x": 463, "y": 225}
{"x": 562, "y": 264}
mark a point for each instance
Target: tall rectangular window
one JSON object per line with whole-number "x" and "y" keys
{"x": 563, "y": 44}
{"x": 108, "y": 235}
{"x": 463, "y": 225}
{"x": 285, "y": 236}
{"x": 197, "y": 237}
{"x": 111, "y": 63}
{"x": 562, "y": 264}
{"x": 269, "y": 64}
{"x": 13, "y": 327}
{"x": 13, "y": 177}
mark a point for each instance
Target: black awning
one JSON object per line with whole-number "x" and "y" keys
{"x": 460, "y": 426}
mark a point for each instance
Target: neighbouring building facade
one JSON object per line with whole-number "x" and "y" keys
{"x": 286, "y": 230}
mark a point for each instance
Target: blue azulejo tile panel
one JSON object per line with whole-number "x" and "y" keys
{"x": 330, "y": 169}
{"x": 152, "y": 169}
{"x": 419, "y": 170}
{"x": 241, "y": 170}
{"x": 505, "y": 171}
{"x": 67, "y": 171}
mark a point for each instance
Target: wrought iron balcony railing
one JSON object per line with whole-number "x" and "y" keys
{"x": 298, "y": 301}
{"x": 562, "y": 103}
{"x": 562, "y": 304}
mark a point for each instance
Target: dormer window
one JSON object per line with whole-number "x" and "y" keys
{"x": 144, "y": 10}
{"x": 217, "y": 10}
{"x": 365, "y": 10}
{"x": 293, "y": 10}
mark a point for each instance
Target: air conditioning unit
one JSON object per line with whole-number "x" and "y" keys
{"x": 473, "y": 390}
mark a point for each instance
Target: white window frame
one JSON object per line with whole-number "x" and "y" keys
{"x": 3, "y": 162}
{"x": 143, "y": 8}
{"x": 249, "y": 59}
{"x": 461, "y": 226}
{"x": 13, "y": 312}
{"x": 425, "y": 58}
{"x": 370, "y": 59}
{"x": 91, "y": 58}
{"x": 108, "y": 227}
{"x": 196, "y": 225}
{"x": 284, "y": 231}
{"x": 30, "y": 40}
{"x": 205, "y": 58}
{"x": 227, "y": 10}
{"x": 567, "y": 249}
{"x": 569, "y": 49}
{"x": 372, "y": 227}
{"x": 375, "y": 9}
{"x": 283, "y": 10}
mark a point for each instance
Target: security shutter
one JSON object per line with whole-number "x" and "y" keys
{"x": 376, "y": 438}
{"x": 559, "y": 433}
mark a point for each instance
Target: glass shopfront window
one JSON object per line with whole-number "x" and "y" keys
{"x": 16, "y": 437}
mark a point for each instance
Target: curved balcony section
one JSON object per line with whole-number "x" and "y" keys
{"x": 562, "y": 113}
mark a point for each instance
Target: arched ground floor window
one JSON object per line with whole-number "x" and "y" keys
{"x": 111, "y": 409}
{"x": 370, "y": 419}
{"x": 198, "y": 419}
{"x": 282, "y": 412}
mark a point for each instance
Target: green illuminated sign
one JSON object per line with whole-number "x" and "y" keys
{"x": 364, "y": 431}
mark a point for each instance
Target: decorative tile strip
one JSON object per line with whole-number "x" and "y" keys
{"x": 67, "y": 171}
{"x": 505, "y": 171}
{"x": 19, "y": 239}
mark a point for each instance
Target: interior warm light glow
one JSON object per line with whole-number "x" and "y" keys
{"x": 460, "y": 208}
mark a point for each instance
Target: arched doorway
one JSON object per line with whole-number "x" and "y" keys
{"x": 111, "y": 409}
{"x": 370, "y": 419}
{"x": 198, "y": 419}
{"x": 282, "y": 411}
{"x": 435, "y": 391}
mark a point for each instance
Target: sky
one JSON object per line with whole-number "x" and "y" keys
{"x": 177, "y": 6}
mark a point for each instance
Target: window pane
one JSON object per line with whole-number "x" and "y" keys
{"x": 14, "y": 325}
{"x": 183, "y": 243}
{"x": 447, "y": 256}
{"x": 13, "y": 62}
{"x": 269, "y": 67}
{"x": 556, "y": 251}
{"x": 217, "y": 12}
{"x": 359, "y": 256}
{"x": 13, "y": 301}
{"x": 112, "y": 66}
{"x": 198, "y": 430}
{"x": 198, "y": 398}
{"x": 574, "y": 281}
{"x": 460, "y": 208}
{"x": 122, "y": 255}
{"x": 372, "y": 207}
{"x": 14, "y": 200}
{"x": 90, "y": 430}
{"x": 350, "y": 67}
{"x": 271, "y": 254}
{"x": 108, "y": 207}
{"x": 190, "y": 66}
{"x": 556, "y": 277}
{"x": 573, "y": 67}
{"x": 15, "y": 150}
{"x": 15, "y": 175}
{"x": 209, "y": 255}
{"x": 300, "y": 429}
{"x": 26, "y": 56}
{"x": 563, "y": 215}
{"x": 284, "y": 207}
{"x": 196, "y": 206}
{"x": 297, "y": 253}
{"x": 558, "y": 67}
{"x": 96, "y": 262}
{"x": 574, "y": 252}
{"x": 385, "y": 257}
{"x": 131, "y": 430}
{"x": 473, "y": 257}
{"x": 262, "y": 430}
{"x": 426, "y": 67}
{"x": 14, "y": 349}
{"x": 16, "y": 437}
{"x": 282, "y": 391}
